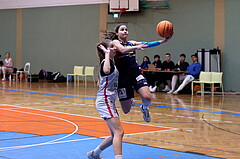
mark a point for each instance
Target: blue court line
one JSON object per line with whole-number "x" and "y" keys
{"x": 48, "y": 94}
{"x": 162, "y": 106}
{"x": 196, "y": 110}
{"x": 77, "y": 146}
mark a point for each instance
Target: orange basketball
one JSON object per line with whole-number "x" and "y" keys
{"x": 165, "y": 29}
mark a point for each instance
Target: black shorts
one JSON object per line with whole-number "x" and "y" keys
{"x": 126, "y": 84}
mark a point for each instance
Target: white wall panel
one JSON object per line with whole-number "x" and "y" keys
{"x": 12, "y": 4}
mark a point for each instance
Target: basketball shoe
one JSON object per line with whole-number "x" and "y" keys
{"x": 91, "y": 156}
{"x": 146, "y": 115}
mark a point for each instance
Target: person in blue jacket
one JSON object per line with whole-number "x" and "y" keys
{"x": 193, "y": 73}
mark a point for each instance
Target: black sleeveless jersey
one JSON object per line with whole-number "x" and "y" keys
{"x": 126, "y": 62}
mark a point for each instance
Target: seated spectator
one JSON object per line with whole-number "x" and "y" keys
{"x": 182, "y": 65}
{"x": 193, "y": 73}
{"x": 157, "y": 63}
{"x": 168, "y": 65}
{"x": 7, "y": 66}
{"x": 155, "y": 77}
{"x": 145, "y": 63}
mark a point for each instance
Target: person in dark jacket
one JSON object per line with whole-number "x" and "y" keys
{"x": 157, "y": 63}
{"x": 167, "y": 65}
{"x": 182, "y": 64}
{"x": 153, "y": 77}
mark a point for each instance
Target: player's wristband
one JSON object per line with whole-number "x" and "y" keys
{"x": 152, "y": 44}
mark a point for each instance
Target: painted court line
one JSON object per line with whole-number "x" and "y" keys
{"x": 79, "y": 145}
{"x": 48, "y": 116}
{"x": 170, "y": 107}
{"x": 73, "y": 118}
{"x": 86, "y": 125}
{"x": 19, "y": 107}
{"x": 190, "y": 117}
{"x": 191, "y": 106}
{"x": 41, "y": 144}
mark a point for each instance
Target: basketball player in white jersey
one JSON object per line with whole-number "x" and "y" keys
{"x": 105, "y": 102}
{"x": 7, "y": 66}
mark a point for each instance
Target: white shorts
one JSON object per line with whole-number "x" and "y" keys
{"x": 106, "y": 107}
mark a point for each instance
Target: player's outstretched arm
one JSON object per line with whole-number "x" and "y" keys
{"x": 153, "y": 43}
{"x": 123, "y": 49}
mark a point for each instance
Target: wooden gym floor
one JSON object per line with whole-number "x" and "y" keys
{"x": 204, "y": 126}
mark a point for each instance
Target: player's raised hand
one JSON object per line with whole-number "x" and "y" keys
{"x": 103, "y": 48}
{"x": 166, "y": 39}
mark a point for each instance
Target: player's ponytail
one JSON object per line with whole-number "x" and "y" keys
{"x": 109, "y": 35}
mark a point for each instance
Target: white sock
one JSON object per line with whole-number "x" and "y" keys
{"x": 97, "y": 151}
{"x": 118, "y": 156}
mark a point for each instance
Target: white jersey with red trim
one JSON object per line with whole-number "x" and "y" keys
{"x": 109, "y": 82}
{"x": 106, "y": 96}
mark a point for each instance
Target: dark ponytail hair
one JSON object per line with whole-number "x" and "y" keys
{"x": 112, "y": 35}
{"x": 100, "y": 52}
